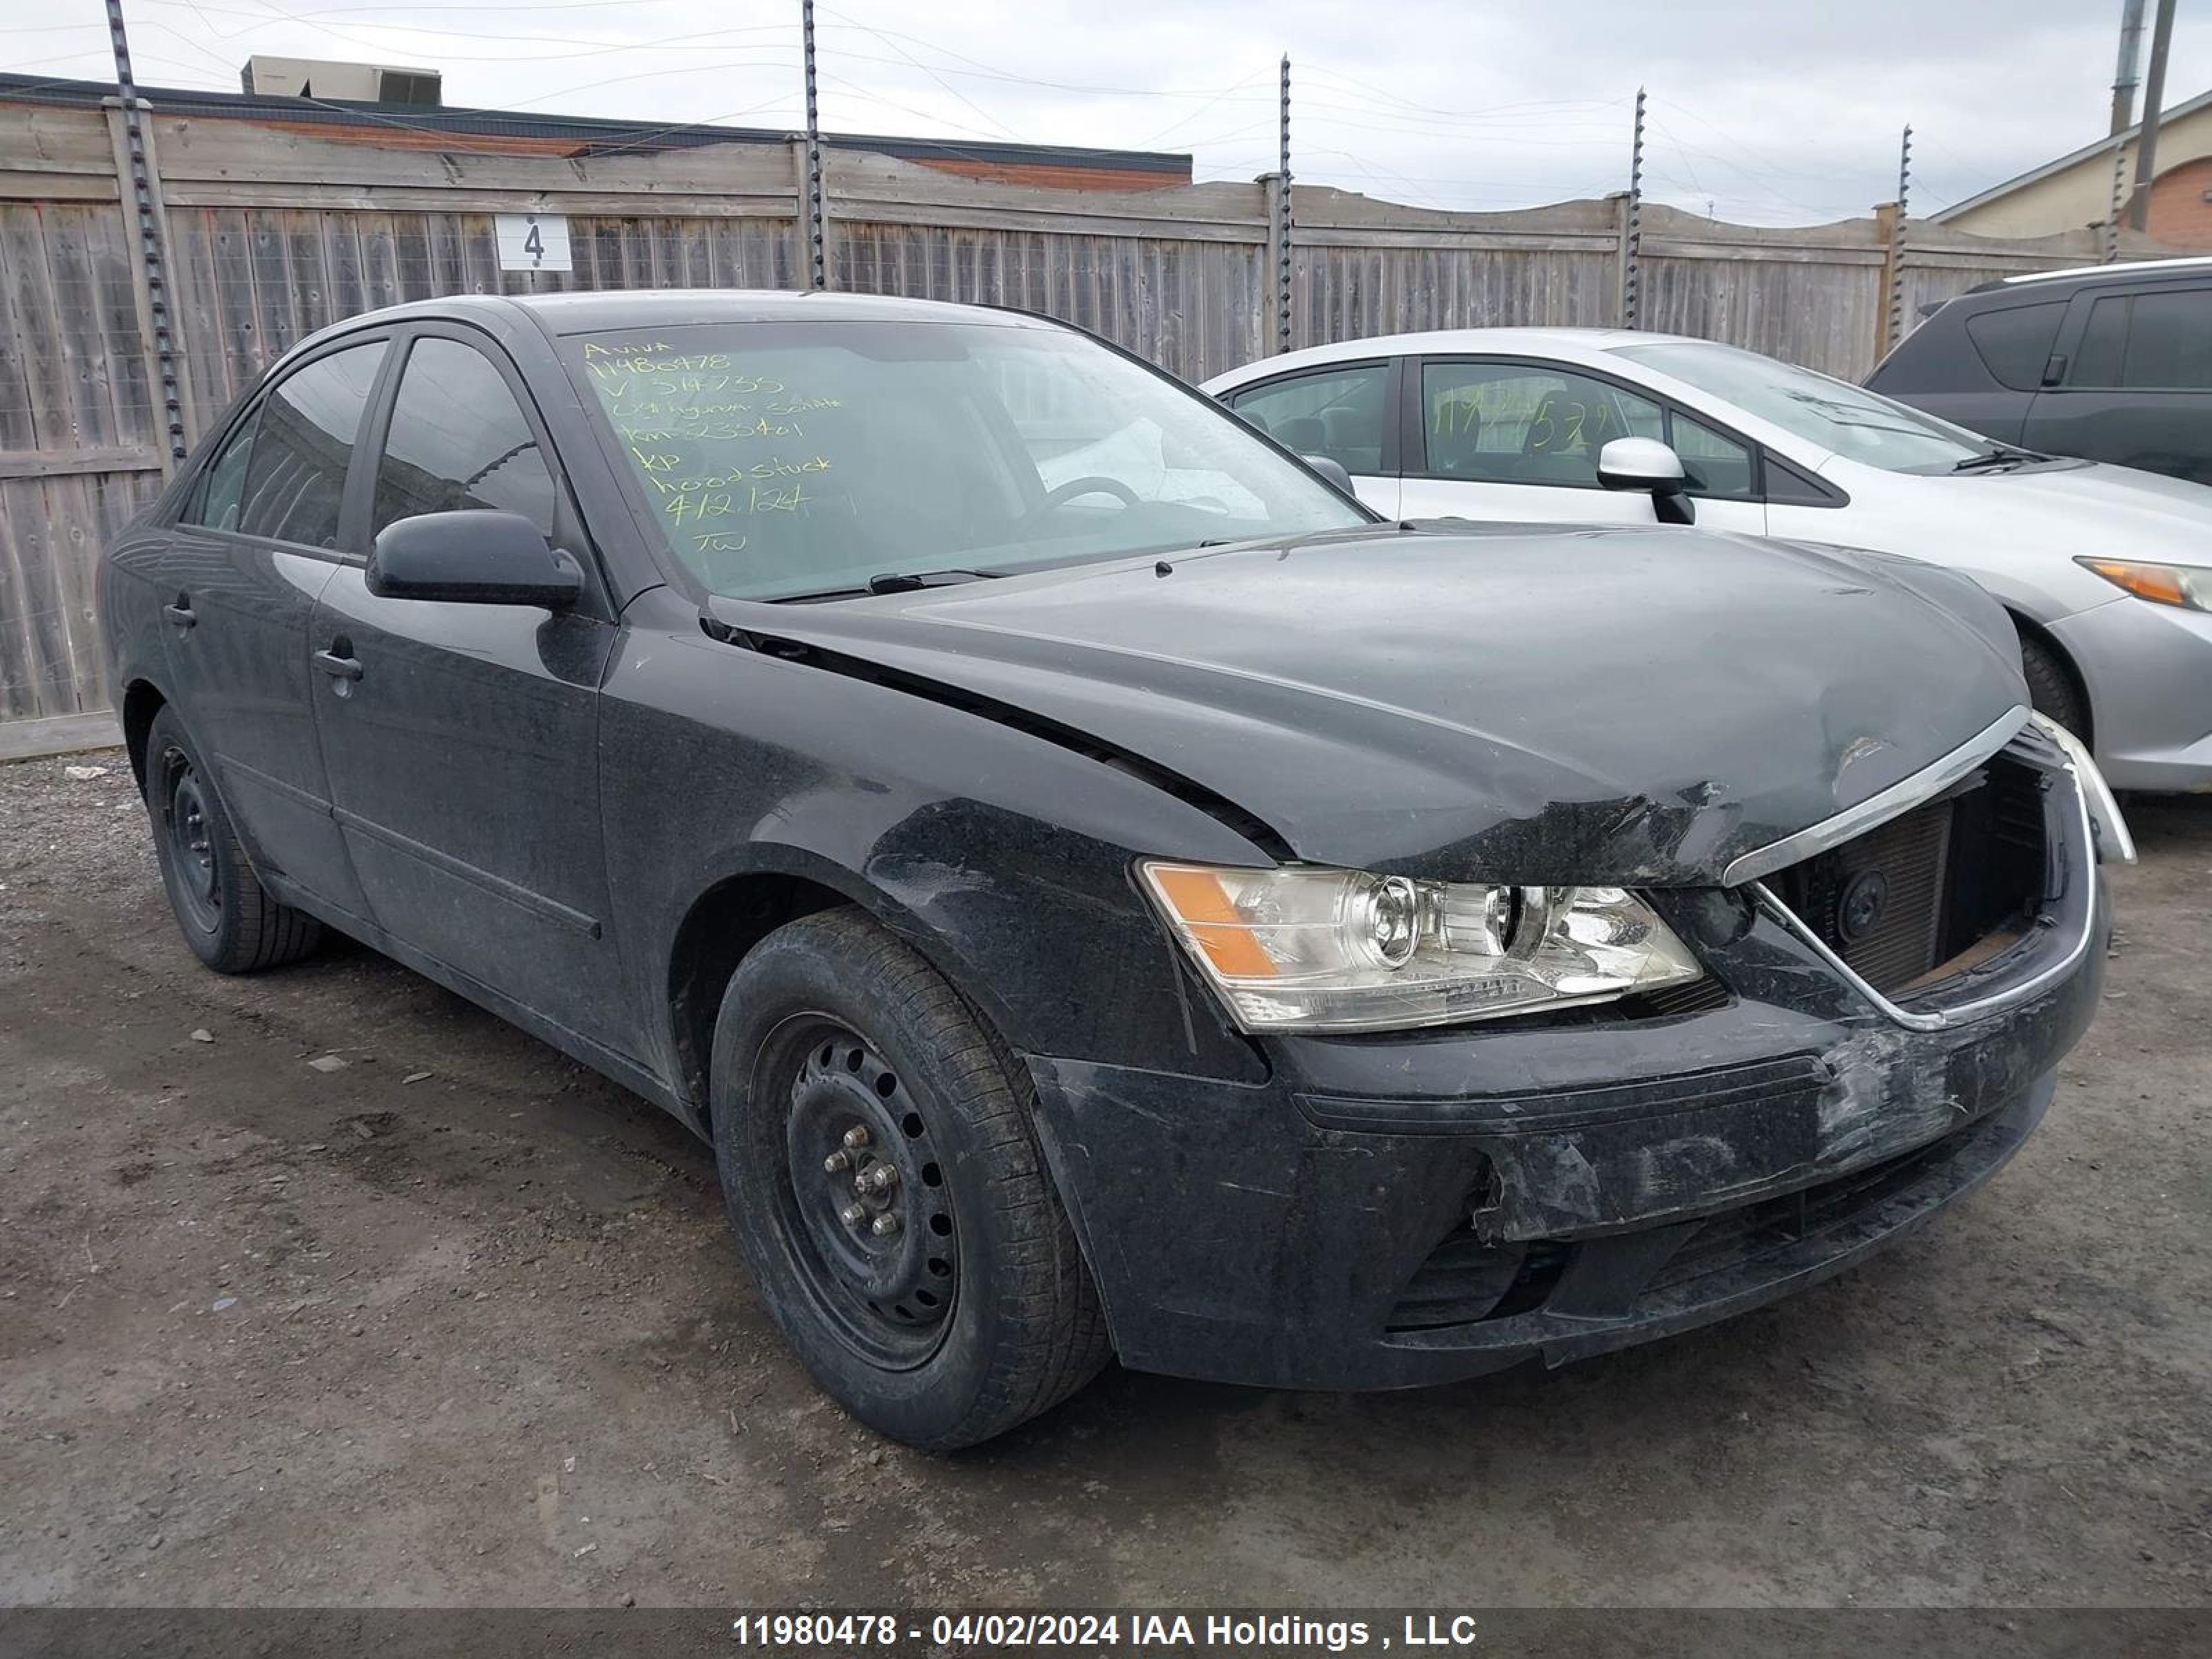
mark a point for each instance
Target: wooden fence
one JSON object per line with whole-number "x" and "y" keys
{"x": 272, "y": 234}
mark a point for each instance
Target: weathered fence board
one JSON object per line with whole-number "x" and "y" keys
{"x": 274, "y": 234}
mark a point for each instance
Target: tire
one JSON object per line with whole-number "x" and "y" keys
{"x": 226, "y": 915}
{"x": 970, "y": 1312}
{"x": 2052, "y": 688}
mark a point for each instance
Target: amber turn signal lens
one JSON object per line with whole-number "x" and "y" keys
{"x": 2187, "y": 585}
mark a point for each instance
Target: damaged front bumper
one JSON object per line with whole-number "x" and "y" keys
{"x": 1390, "y": 1212}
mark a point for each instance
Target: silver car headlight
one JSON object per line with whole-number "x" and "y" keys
{"x": 1312, "y": 949}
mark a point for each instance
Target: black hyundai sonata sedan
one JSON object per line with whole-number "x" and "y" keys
{"x": 1098, "y": 890}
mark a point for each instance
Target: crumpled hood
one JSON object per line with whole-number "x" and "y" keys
{"x": 1516, "y": 703}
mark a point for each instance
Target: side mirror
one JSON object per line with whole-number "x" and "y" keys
{"x": 471, "y": 557}
{"x": 1647, "y": 465}
{"x": 1331, "y": 468}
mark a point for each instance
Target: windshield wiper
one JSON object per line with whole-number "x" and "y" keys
{"x": 2001, "y": 455}
{"x": 906, "y": 581}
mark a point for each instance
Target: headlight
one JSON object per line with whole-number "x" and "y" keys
{"x": 1321, "y": 950}
{"x": 2189, "y": 585}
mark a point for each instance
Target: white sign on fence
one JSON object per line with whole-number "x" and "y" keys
{"x": 533, "y": 242}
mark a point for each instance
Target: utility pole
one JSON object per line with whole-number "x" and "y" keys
{"x": 817, "y": 211}
{"x": 1631, "y": 235}
{"x": 2161, "y": 37}
{"x": 152, "y": 256}
{"x": 2130, "y": 64}
{"x": 1282, "y": 227}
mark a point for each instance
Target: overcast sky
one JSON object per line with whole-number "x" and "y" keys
{"x": 1772, "y": 111}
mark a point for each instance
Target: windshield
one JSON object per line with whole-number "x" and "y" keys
{"x": 1858, "y": 424}
{"x": 786, "y": 459}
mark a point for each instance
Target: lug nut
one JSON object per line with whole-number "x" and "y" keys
{"x": 881, "y": 1179}
{"x": 834, "y": 1163}
{"x": 857, "y": 1136}
{"x": 885, "y": 1225}
{"x": 852, "y": 1215}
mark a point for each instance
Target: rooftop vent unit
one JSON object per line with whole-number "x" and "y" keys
{"x": 364, "y": 83}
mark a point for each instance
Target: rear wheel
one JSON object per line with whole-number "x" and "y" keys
{"x": 2051, "y": 687}
{"x": 226, "y": 916}
{"x": 887, "y": 1190}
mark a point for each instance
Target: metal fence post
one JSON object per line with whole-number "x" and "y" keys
{"x": 1632, "y": 227}
{"x": 141, "y": 206}
{"x": 1278, "y": 225}
{"x": 1898, "y": 214}
{"x": 815, "y": 209}
{"x": 2111, "y": 248}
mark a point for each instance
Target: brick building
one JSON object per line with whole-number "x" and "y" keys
{"x": 2076, "y": 190}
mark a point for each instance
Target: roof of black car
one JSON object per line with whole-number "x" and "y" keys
{"x": 591, "y": 312}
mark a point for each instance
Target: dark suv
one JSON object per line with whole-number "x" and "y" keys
{"x": 2112, "y": 364}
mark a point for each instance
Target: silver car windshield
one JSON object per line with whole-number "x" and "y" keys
{"x": 782, "y": 460}
{"x": 1858, "y": 424}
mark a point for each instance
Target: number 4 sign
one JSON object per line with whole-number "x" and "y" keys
{"x": 533, "y": 242}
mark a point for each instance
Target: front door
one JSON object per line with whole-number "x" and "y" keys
{"x": 1344, "y": 411}
{"x": 462, "y": 740}
{"x": 2137, "y": 388}
{"x": 1516, "y": 441}
{"x": 253, "y": 548}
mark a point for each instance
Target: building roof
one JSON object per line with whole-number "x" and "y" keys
{"x": 2104, "y": 146}
{"x": 585, "y": 135}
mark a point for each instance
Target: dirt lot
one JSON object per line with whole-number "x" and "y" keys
{"x": 455, "y": 1322}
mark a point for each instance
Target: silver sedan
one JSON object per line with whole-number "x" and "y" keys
{"x": 2107, "y": 571}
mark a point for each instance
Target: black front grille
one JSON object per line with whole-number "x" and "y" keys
{"x": 1910, "y": 895}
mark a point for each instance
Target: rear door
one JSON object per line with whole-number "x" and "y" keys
{"x": 1515, "y": 440}
{"x": 462, "y": 740}
{"x": 2136, "y": 385}
{"x": 257, "y": 539}
{"x": 1344, "y": 411}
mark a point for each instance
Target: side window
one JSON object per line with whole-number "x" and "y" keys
{"x": 2097, "y": 362}
{"x": 458, "y": 440}
{"x": 1337, "y": 414}
{"x": 2170, "y": 341}
{"x": 1716, "y": 466}
{"x": 1785, "y": 483}
{"x": 2014, "y": 343}
{"x": 222, "y": 488}
{"x": 303, "y": 442}
{"x": 1514, "y": 424}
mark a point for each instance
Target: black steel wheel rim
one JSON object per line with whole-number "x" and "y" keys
{"x": 865, "y": 1215}
{"x": 188, "y": 841}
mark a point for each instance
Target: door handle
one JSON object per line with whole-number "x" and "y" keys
{"x": 336, "y": 666}
{"x": 181, "y": 613}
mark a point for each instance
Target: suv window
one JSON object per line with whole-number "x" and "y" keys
{"x": 303, "y": 442}
{"x": 2160, "y": 341}
{"x": 1515, "y": 423}
{"x": 2014, "y": 343}
{"x": 1337, "y": 413}
{"x": 459, "y": 441}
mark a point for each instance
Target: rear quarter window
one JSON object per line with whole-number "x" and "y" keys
{"x": 2014, "y": 343}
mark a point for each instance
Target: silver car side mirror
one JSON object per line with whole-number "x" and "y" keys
{"x": 1647, "y": 465}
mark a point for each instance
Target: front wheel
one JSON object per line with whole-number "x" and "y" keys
{"x": 885, "y": 1180}
{"x": 2052, "y": 689}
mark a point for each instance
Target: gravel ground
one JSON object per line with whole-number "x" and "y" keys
{"x": 454, "y": 1322}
